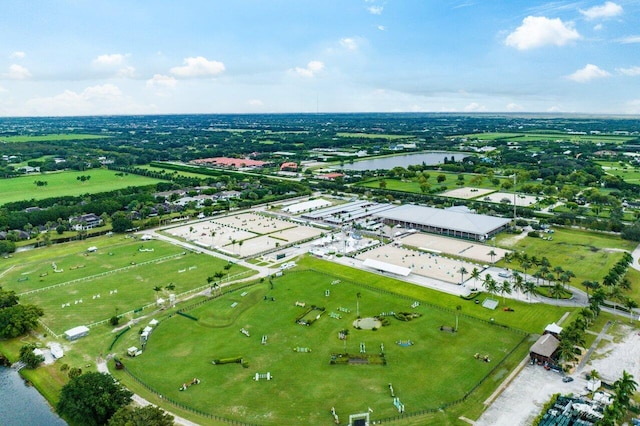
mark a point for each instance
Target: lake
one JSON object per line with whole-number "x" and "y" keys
{"x": 23, "y": 405}
{"x": 388, "y": 163}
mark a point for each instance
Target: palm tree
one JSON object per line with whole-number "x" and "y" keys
{"x": 597, "y": 298}
{"x": 505, "y": 288}
{"x": 475, "y": 274}
{"x": 240, "y": 247}
{"x": 630, "y": 304}
{"x": 529, "y": 289}
{"x": 157, "y": 289}
{"x": 624, "y": 388}
{"x": 458, "y": 309}
{"x": 567, "y": 351}
{"x": 525, "y": 266}
{"x": 490, "y": 285}
{"x": 590, "y": 285}
{"x": 170, "y": 287}
{"x": 462, "y": 271}
{"x": 493, "y": 254}
{"x": 518, "y": 282}
{"x": 558, "y": 271}
{"x": 557, "y": 290}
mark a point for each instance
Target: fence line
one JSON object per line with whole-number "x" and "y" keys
{"x": 48, "y": 329}
{"x": 90, "y": 277}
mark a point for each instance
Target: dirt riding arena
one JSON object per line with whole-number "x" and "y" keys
{"x": 244, "y": 234}
{"x": 521, "y": 200}
{"x": 455, "y": 247}
{"x": 467, "y": 192}
{"x": 425, "y": 264}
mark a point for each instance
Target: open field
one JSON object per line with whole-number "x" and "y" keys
{"x": 121, "y": 274}
{"x": 66, "y": 183}
{"x": 626, "y": 172}
{"x": 533, "y": 137}
{"x": 372, "y": 136}
{"x": 589, "y": 255}
{"x": 454, "y": 247}
{"x": 170, "y": 172}
{"x": 305, "y": 385}
{"x": 50, "y": 138}
{"x": 478, "y": 182}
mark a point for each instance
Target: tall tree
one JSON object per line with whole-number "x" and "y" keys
{"x": 141, "y": 416}
{"x": 92, "y": 398}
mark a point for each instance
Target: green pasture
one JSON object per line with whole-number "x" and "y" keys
{"x": 306, "y": 385}
{"x": 625, "y": 171}
{"x": 170, "y": 172}
{"x": 536, "y": 137}
{"x": 66, "y": 183}
{"x": 131, "y": 267}
{"x": 589, "y": 255}
{"x": 372, "y": 136}
{"x": 50, "y": 138}
{"x": 413, "y": 186}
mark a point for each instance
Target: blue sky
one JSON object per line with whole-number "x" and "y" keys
{"x": 77, "y": 57}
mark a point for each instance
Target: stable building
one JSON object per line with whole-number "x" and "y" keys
{"x": 545, "y": 349}
{"x": 452, "y": 222}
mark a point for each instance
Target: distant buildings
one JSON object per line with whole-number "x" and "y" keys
{"x": 228, "y": 162}
{"x": 85, "y": 222}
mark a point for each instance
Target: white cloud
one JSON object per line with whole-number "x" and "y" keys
{"x": 2, "y": 89}
{"x": 607, "y": 10}
{"x": 475, "y": 107}
{"x": 597, "y": 27}
{"x": 100, "y": 99}
{"x": 17, "y": 72}
{"x": 375, "y": 10}
{"x": 588, "y": 73}
{"x": 630, "y": 39}
{"x": 381, "y": 28}
{"x": 311, "y": 70}
{"x": 514, "y": 107}
{"x": 159, "y": 81}
{"x": 109, "y": 60}
{"x": 255, "y": 102}
{"x": 631, "y": 71}
{"x": 126, "y": 72}
{"x": 349, "y": 43}
{"x": 17, "y": 55}
{"x": 198, "y": 67}
{"x": 538, "y": 31}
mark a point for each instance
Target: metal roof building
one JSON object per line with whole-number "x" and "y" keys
{"x": 450, "y": 222}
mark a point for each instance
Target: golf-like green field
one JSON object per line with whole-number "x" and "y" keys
{"x": 589, "y": 255}
{"x": 439, "y": 367}
{"x": 50, "y": 138}
{"x": 119, "y": 277}
{"x": 59, "y": 184}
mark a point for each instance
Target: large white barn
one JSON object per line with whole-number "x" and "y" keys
{"x": 452, "y": 222}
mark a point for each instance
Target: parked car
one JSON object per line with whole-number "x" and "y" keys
{"x": 567, "y": 379}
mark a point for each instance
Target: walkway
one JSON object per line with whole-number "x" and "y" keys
{"x": 593, "y": 347}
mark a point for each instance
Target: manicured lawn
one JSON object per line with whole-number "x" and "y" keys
{"x": 589, "y": 255}
{"x": 66, "y": 183}
{"x": 49, "y": 138}
{"x": 626, "y": 172}
{"x": 450, "y": 183}
{"x": 534, "y": 137}
{"x": 173, "y": 172}
{"x": 119, "y": 264}
{"x": 306, "y": 385}
{"x": 372, "y": 136}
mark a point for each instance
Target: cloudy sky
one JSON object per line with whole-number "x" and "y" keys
{"x": 84, "y": 57}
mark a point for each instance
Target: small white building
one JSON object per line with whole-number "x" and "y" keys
{"x": 76, "y": 332}
{"x": 56, "y": 350}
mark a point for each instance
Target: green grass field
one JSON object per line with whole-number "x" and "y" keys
{"x": 626, "y": 172}
{"x": 372, "y": 136}
{"x": 534, "y": 137}
{"x": 50, "y": 138}
{"x": 589, "y": 255}
{"x": 413, "y": 185}
{"x": 306, "y": 385}
{"x": 173, "y": 172}
{"x": 65, "y": 183}
{"x": 118, "y": 264}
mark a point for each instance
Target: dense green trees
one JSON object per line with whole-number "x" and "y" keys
{"x": 16, "y": 319}
{"x": 30, "y": 359}
{"x": 92, "y": 398}
{"x": 141, "y": 416}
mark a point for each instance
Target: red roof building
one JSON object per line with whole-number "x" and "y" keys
{"x": 290, "y": 165}
{"x": 331, "y": 176}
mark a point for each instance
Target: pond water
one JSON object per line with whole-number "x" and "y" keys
{"x": 22, "y": 405}
{"x": 387, "y": 163}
